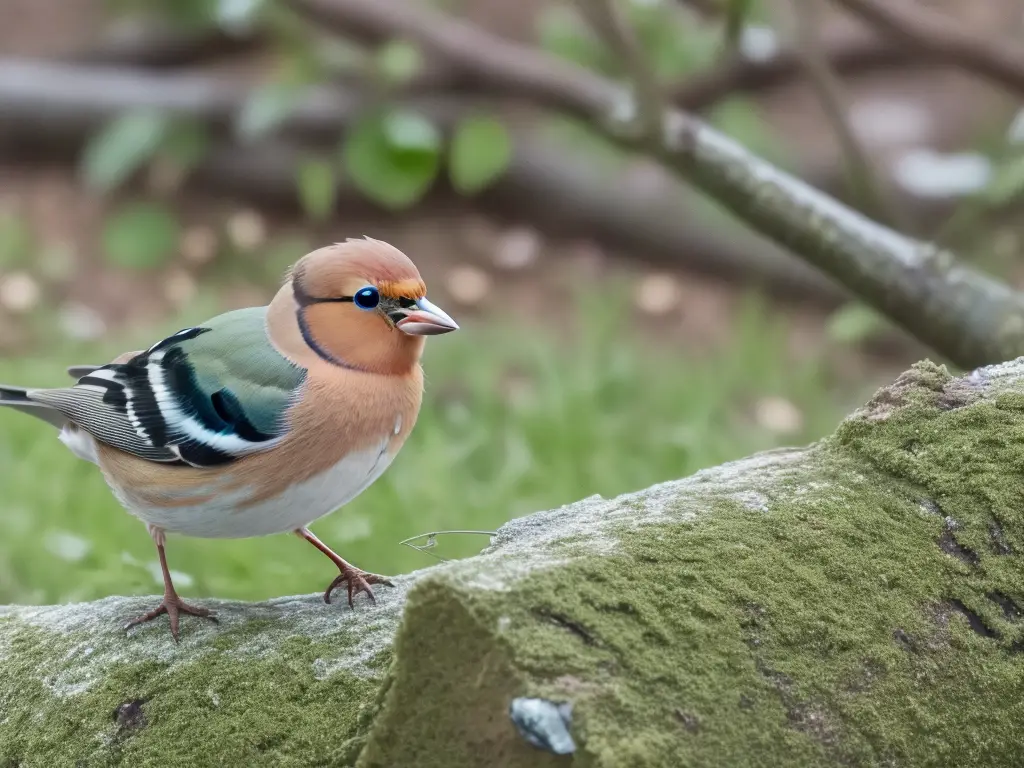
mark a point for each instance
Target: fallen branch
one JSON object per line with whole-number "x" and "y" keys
{"x": 928, "y": 32}
{"x": 49, "y": 110}
{"x": 960, "y": 312}
{"x": 773, "y": 606}
{"x": 162, "y": 46}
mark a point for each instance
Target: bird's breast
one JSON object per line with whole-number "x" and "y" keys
{"x": 339, "y": 441}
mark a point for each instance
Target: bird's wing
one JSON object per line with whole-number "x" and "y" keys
{"x": 205, "y": 395}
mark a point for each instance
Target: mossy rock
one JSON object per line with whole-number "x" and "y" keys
{"x": 856, "y": 602}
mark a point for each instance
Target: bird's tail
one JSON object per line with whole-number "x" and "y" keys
{"x": 18, "y": 399}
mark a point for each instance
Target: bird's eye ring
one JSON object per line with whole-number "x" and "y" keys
{"x": 367, "y": 298}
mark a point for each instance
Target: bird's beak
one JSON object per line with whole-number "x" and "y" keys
{"x": 426, "y": 320}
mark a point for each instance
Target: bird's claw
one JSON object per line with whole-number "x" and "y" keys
{"x": 356, "y": 581}
{"x": 173, "y": 606}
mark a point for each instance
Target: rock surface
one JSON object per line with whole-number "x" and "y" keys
{"x": 855, "y": 602}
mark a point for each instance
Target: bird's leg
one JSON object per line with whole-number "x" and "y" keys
{"x": 355, "y": 580}
{"x": 172, "y": 605}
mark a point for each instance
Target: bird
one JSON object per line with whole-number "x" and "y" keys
{"x": 260, "y": 420}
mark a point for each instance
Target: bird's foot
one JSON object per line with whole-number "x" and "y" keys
{"x": 356, "y": 581}
{"x": 173, "y": 606}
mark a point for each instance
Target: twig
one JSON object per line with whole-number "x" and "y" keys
{"x": 962, "y": 313}
{"x": 649, "y": 103}
{"x": 846, "y": 54}
{"x": 432, "y": 541}
{"x": 709, "y": 9}
{"x": 945, "y": 40}
{"x": 862, "y": 175}
{"x": 157, "y": 46}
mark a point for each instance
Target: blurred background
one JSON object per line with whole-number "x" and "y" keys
{"x": 165, "y": 160}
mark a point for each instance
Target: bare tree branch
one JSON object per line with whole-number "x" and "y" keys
{"x": 846, "y": 54}
{"x": 961, "y": 313}
{"x": 946, "y": 40}
{"x": 49, "y": 110}
{"x": 159, "y": 45}
{"x": 604, "y": 18}
{"x": 862, "y": 175}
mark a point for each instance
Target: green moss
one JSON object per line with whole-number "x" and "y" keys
{"x": 857, "y": 603}
{"x": 225, "y": 706}
{"x": 866, "y": 617}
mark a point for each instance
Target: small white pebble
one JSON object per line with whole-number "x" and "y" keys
{"x": 517, "y": 248}
{"x": 468, "y": 284}
{"x": 759, "y": 43}
{"x": 778, "y": 415}
{"x": 930, "y": 174}
{"x": 67, "y": 546}
{"x": 179, "y": 287}
{"x": 180, "y": 578}
{"x": 657, "y": 294}
{"x": 354, "y": 528}
{"x": 81, "y": 322}
{"x": 247, "y": 230}
{"x": 887, "y": 122}
{"x": 199, "y": 245}
{"x": 19, "y": 292}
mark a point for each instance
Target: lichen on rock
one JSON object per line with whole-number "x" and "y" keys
{"x": 855, "y": 602}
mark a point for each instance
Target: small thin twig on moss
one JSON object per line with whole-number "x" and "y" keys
{"x": 862, "y": 175}
{"x": 944, "y": 39}
{"x": 432, "y": 541}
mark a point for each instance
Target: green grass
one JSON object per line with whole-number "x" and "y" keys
{"x": 513, "y": 421}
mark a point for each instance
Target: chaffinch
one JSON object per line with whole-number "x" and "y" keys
{"x": 261, "y": 420}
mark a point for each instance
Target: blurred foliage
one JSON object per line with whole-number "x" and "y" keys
{"x": 140, "y": 235}
{"x": 854, "y": 323}
{"x": 514, "y": 421}
{"x": 394, "y": 155}
{"x": 16, "y": 242}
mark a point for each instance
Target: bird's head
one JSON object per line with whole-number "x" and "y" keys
{"x": 360, "y": 304}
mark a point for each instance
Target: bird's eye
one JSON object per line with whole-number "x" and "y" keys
{"x": 367, "y": 298}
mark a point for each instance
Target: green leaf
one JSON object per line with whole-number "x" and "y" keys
{"x": 17, "y": 245}
{"x": 398, "y": 62}
{"x": 854, "y": 322}
{"x": 1008, "y": 182}
{"x": 337, "y": 56}
{"x": 393, "y": 158}
{"x": 140, "y": 236}
{"x": 122, "y": 146}
{"x": 186, "y": 143}
{"x": 563, "y": 32}
{"x": 480, "y": 152}
{"x": 317, "y": 188}
{"x": 267, "y": 107}
{"x": 410, "y": 133}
